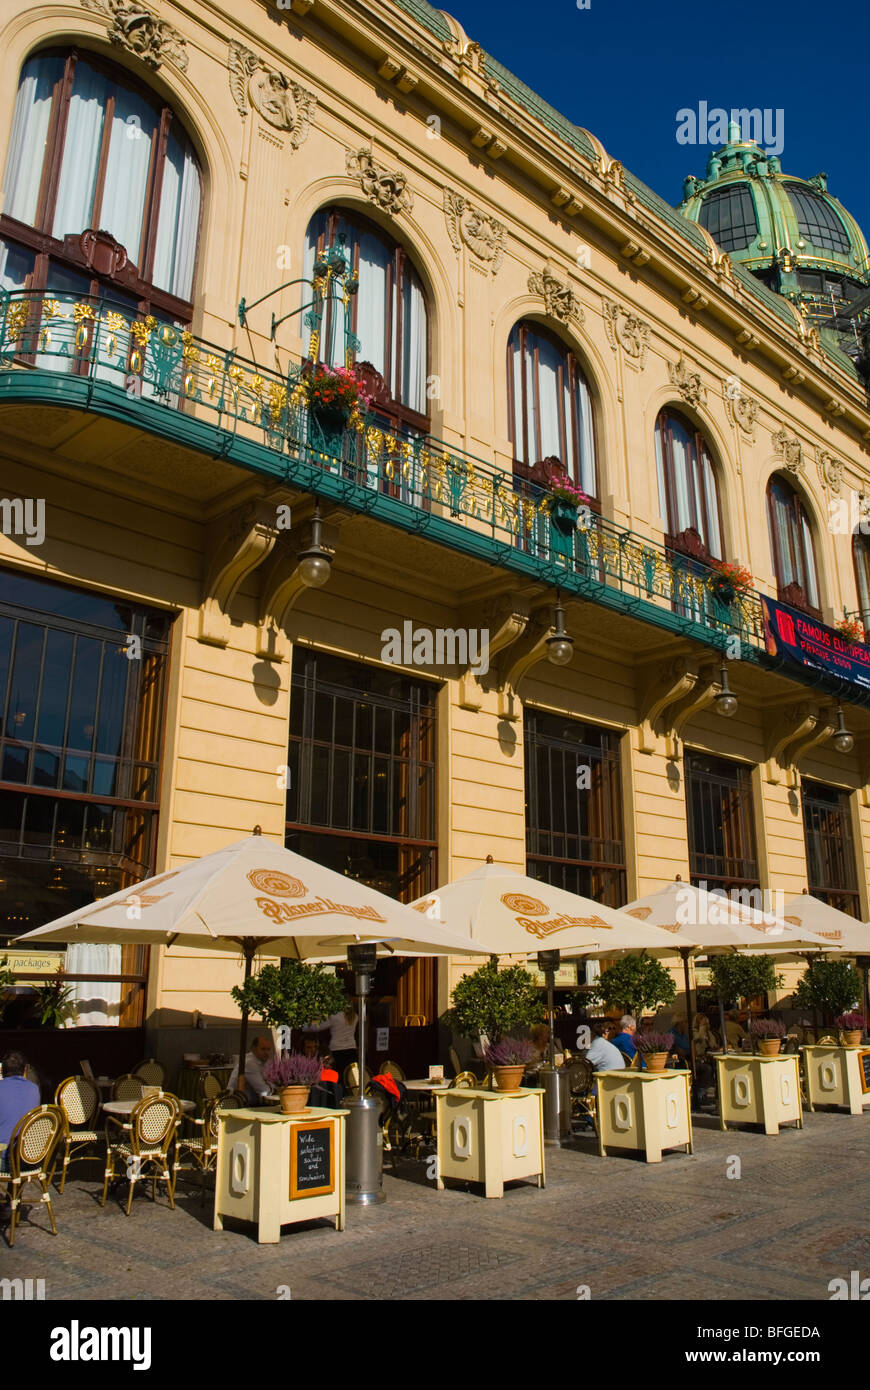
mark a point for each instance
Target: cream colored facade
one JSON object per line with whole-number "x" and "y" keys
{"x": 656, "y": 317}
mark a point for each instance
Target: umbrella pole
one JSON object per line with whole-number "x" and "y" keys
{"x": 722, "y": 1024}
{"x": 684, "y": 952}
{"x": 248, "y": 948}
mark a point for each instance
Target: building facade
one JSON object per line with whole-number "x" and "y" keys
{"x": 197, "y": 200}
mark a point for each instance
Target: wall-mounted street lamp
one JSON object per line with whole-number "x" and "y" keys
{"x": 315, "y": 563}
{"x": 725, "y": 701}
{"x": 560, "y": 647}
{"x": 843, "y": 741}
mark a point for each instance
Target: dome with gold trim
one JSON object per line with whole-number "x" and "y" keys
{"x": 790, "y": 232}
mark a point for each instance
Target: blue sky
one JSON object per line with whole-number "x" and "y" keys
{"x": 624, "y": 68}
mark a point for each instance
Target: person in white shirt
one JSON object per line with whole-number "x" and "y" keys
{"x": 256, "y": 1086}
{"x": 603, "y": 1056}
{"x": 342, "y": 1037}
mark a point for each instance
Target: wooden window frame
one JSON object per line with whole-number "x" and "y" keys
{"x": 394, "y": 411}
{"x": 745, "y": 821}
{"x": 134, "y": 280}
{"x": 571, "y": 366}
{"x": 792, "y": 593}
{"x": 674, "y": 538}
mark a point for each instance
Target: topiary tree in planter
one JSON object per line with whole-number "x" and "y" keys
{"x": 734, "y": 977}
{"x": 828, "y": 987}
{"x": 495, "y": 1002}
{"x": 291, "y": 994}
{"x": 634, "y": 983}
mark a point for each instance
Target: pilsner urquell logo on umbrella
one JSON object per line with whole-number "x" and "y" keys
{"x": 528, "y": 908}
{"x": 280, "y": 885}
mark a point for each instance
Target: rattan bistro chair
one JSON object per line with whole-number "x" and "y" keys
{"x": 151, "y": 1072}
{"x": 79, "y": 1100}
{"x": 127, "y": 1087}
{"x": 391, "y": 1069}
{"x": 464, "y": 1080}
{"x": 32, "y": 1155}
{"x": 581, "y": 1082}
{"x": 201, "y": 1149}
{"x": 141, "y": 1145}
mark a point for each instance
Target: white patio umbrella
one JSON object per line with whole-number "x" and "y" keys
{"x": 506, "y": 913}
{"x": 702, "y": 923}
{"x": 496, "y": 909}
{"x": 248, "y": 896}
{"x": 842, "y": 932}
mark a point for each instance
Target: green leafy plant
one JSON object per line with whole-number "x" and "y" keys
{"x": 829, "y": 987}
{"x": 495, "y": 1002}
{"x": 55, "y": 1002}
{"x": 742, "y": 977}
{"x": 635, "y": 983}
{"x": 291, "y": 994}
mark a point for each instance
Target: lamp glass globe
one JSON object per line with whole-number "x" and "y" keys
{"x": 314, "y": 570}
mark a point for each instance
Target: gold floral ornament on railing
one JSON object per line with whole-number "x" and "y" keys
{"x": 213, "y": 366}
{"x": 141, "y": 331}
{"x": 114, "y": 323}
{"x": 84, "y": 316}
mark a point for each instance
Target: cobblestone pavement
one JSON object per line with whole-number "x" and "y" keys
{"x": 796, "y": 1218}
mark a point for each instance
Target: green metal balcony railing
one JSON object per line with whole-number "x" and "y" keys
{"x": 156, "y": 373}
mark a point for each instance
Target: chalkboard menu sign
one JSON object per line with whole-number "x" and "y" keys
{"x": 312, "y": 1159}
{"x": 864, "y": 1070}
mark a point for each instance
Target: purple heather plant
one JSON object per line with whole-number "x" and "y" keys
{"x": 653, "y": 1042}
{"x": 292, "y": 1069}
{"x": 766, "y": 1028}
{"x": 850, "y": 1021}
{"x": 511, "y": 1052}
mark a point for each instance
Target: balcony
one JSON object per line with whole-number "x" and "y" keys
{"x": 86, "y": 354}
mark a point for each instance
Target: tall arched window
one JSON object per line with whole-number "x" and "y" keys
{"x": 688, "y": 494}
{"x": 861, "y": 561}
{"x": 791, "y": 541}
{"x": 550, "y": 406}
{"x": 389, "y": 315}
{"x": 92, "y": 151}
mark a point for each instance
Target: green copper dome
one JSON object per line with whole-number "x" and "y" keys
{"x": 789, "y": 232}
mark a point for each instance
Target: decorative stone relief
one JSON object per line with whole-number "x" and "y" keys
{"x": 688, "y": 383}
{"x": 560, "y": 301}
{"x": 742, "y": 410}
{"x": 468, "y": 56}
{"x": 830, "y": 470}
{"x": 281, "y": 103}
{"x": 484, "y": 235}
{"x": 389, "y": 189}
{"x": 790, "y": 451}
{"x": 626, "y": 330}
{"x": 137, "y": 28}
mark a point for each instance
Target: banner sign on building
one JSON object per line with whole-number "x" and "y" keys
{"x": 790, "y": 633}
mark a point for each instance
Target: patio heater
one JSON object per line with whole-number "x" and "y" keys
{"x": 554, "y": 1080}
{"x": 365, "y": 1153}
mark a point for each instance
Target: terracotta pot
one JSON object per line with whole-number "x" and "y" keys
{"x": 508, "y": 1078}
{"x": 851, "y": 1037}
{"x": 656, "y": 1061}
{"x": 769, "y": 1047}
{"x": 293, "y": 1099}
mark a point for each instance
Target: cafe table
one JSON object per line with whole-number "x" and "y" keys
{"x": 423, "y": 1084}
{"x": 126, "y": 1107}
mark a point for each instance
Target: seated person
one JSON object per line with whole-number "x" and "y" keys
{"x": 733, "y": 1031}
{"x": 681, "y": 1041}
{"x": 624, "y": 1039}
{"x": 17, "y": 1096}
{"x": 256, "y": 1087}
{"x": 601, "y": 1053}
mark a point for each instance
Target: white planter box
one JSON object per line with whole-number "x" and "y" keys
{"x": 490, "y": 1137}
{"x": 759, "y": 1090}
{"x": 646, "y": 1110}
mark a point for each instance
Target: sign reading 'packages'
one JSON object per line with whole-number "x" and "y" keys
{"x": 799, "y": 637}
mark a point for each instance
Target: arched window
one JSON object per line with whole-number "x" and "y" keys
{"x": 550, "y": 405}
{"x": 388, "y": 313}
{"x": 92, "y": 151}
{"x": 688, "y": 494}
{"x": 861, "y": 561}
{"x": 791, "y": 541}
